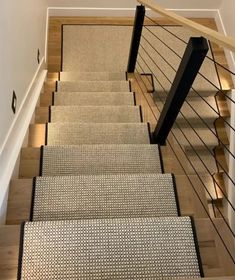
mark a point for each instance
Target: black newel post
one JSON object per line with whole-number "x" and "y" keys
{"x": 191, "y": 62}
{"x": 136, "y": 36}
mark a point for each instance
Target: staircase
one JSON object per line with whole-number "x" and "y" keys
{"x": 102, "y": 207}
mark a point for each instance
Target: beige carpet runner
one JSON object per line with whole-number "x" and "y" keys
{"x": 100, "y": 159}
{"x": 96, "y": 114}
{"x": 137, "y": 248}
{"x": 103, "y": 197}
{"x": 92, "y": 76}
{"x": 94, "y": 99}
{"x": 94, "y": 86}
{"x": 93, "y": 133}
{"x": 102, "y": 207}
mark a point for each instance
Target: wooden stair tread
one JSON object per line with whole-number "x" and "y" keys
{"x": 214, "y": 257}
{"x": 20, "y": 195}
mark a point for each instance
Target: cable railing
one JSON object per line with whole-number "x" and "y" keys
{"x": 186, "y": 128}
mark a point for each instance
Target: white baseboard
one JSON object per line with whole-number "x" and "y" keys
{"x": 123, "y": 12}
{"x": 15, "y": 137}
{"x": 46, "y": 36}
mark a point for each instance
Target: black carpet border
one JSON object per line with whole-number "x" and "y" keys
{"x": 32, "y": 199}
{"x": 21, "y": 251}
{"x": 176, "y": 195}
{"x": 161, "y": 158}
{"x": 41, "y": 161}
{"x": 134, "y": 96}
{"x": 141, "y": 114}
{"x": 53, "y": 99}
{"x": 46, "y": 133}
{"x": 197, "y": 246}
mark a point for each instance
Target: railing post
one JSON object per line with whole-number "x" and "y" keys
{"x": 191, "y": 62}
{"x": 136, "y": 36}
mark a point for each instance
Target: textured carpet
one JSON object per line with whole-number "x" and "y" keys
{"x": 94, "y": 86}
{"x": 97, "y": 133}
{"x": 96, "y": 48}
{"x": 149, "y": 248}
{"x": 104, "y": 196}
{"x": 201, "y": 140}
{"x": 100, "y": 159}
{"x": 94, "y": 98}
{"x": 92, "y": 76}
{"x": 96, "y": 114}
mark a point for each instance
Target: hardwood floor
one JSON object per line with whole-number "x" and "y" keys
{"x": 191, "y": 187}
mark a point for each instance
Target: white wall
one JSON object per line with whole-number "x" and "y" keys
{"x": 227, "y": 13}
{"x": 22, "y": 33}
{"x": 228, "y": 20}
{"x": 172, "y": 4}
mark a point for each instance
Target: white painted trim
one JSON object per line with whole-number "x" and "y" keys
{"x": 121, "y": 12}
{"x": 15, "y": 137}
{"x": 46, "y": 35}
{"x": 229, "y": 54}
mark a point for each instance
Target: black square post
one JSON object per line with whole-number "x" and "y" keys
{"x": 191, "y": 62}
{"x": 136, "y": 36}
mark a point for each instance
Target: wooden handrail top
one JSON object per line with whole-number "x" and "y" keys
{"x": 214, "y": 36}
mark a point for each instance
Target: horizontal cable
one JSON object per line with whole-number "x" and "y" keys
{"x": 219, "y": 164}
{"x": 220, "y": 65}
{"x": 163, "y": 42}
{"x": 198, "y": 196}
{"x": 220, "y": 142}
{"x": 157, "y": 24}
{"x": 205, "y": 166}
{"x": 168, "y": 63}
{"x": 199, "y": 73}
{"x": 212, "y": 59}
{"x": 195, "y": 91}
{"x": 154, "y": 64}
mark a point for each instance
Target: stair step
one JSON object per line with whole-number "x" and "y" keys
{"x": 97, "y": 133}
{"x": 92, "y": 76}
{"x": 100, "y": 159}
{"x": 105, "y": 86}
{"x": 96, "y": 114}
{"x": 103, "y": 197}
{"x": 137, "y": 248}
{"x": 94, "y": 98}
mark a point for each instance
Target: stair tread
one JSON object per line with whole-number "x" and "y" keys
{"x": 100, "y": 159}
{"x": 95, "y": 76}
{"x": 97, "y": 133}
{"x": 104, "y": 196}
{"x": 116, "y": 248}
{"x": 95, "y": 114}
{"x": 94, "y": 86}
{"x": 94, "y": 98}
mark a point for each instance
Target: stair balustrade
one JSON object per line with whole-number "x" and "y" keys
{"x": 190, "y": 101}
